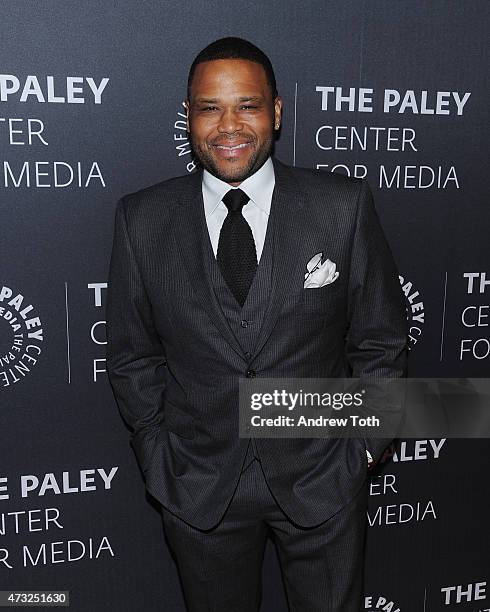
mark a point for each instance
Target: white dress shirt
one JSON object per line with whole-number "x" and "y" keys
{"x": 258, "y": 187}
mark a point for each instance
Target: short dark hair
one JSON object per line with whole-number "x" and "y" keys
{"x": 233, "y": 48}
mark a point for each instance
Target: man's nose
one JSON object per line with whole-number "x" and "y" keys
{"x": 229, "y": 122}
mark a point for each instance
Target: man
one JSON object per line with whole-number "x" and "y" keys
{"x": 207, "y": 285}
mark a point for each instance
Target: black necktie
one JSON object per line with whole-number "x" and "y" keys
{"x": 236, "y": 254}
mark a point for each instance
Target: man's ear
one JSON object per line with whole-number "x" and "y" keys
{"x": 186, "y": 106}
{"x": 277, "y": 112}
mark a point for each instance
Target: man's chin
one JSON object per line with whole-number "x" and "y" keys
{"x": 233, "y": 173}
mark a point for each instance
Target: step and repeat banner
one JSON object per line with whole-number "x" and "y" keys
{"x": 91, "y": 108}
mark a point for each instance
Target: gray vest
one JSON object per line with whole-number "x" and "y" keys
{"x": 246, "y": 321}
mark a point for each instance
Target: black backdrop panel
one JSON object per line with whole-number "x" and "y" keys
{"x": 91, "y": 108}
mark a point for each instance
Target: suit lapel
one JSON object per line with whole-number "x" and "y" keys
{"x": 287, "y": 201}
{"x": 191, "y": 234}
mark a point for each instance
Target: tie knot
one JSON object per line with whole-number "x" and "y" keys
{"x": 235, "y": 200}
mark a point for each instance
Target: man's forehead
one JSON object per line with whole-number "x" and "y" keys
{"x": 203, "y": 99}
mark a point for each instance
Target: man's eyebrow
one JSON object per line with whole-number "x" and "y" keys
{"x": 251, "y": 99}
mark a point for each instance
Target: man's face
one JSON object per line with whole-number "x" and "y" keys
{"x": 231, "y": 118}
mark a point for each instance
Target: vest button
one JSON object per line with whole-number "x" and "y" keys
{"x": 244, "y": 323}
{"x": 250, "y": 373}
{"x": 248, "y": 355}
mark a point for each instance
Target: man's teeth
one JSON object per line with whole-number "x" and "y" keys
{"x": 239, "y": 146}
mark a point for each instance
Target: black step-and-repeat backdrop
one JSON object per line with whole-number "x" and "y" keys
{"x": 91, "y": 108}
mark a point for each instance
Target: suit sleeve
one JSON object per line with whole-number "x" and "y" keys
{"x": 135, "y": 357}
{"x": 376, "y": 340}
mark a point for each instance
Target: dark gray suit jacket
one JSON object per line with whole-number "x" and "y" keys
{"x": 174, "y": 362}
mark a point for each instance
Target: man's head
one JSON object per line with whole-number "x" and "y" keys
{"x": 232, "y": 108}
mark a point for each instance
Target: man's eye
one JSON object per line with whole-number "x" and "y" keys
{"x": 209, "y": 108}
{"x": 246, "y": 106}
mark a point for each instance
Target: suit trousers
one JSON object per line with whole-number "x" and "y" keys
{"x": 221, "y": 568}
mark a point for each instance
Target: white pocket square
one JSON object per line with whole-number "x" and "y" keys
{"x": 320, "y": 274}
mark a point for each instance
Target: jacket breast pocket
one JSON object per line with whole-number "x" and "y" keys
{"x": 322, "y": 301}
{"x": 178, "y": 422}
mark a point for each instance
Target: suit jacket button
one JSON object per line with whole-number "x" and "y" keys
{"x": 250, "y": 373}
{"x": 244, "y": 323}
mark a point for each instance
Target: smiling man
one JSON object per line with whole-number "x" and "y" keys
{"x": 232, "y": 134}
{"x": 207, "y": 285}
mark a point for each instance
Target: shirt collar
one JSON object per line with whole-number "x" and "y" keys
{"x": 259, "y": 187}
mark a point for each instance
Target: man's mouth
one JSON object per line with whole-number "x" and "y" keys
{"x": 232, "y": 151}
{"x": 232, "y": 147}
